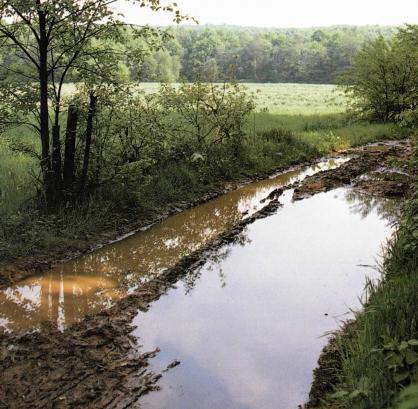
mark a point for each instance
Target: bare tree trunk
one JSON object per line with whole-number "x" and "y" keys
{"x": 87, "y": 147}
{"x": 70, "y": 142}
{"x": 44, "y": 113}
{"x": 56, "y": 159}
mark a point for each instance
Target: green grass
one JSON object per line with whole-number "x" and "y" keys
{"x": 379, "y": 351}
{"x": 15, "y": 178}
{"x": 287, "y": 99}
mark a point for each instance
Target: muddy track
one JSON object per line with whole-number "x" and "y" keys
{"x": 39, "y": 263}
{"x": 361, "y": 173}
{"x": 97, "y": 363}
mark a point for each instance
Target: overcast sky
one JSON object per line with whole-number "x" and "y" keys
{"x": 280, "y": 13}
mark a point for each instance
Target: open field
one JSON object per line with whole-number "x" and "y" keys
{"x": 289, "y": 99}
{"x": 286, "y": 99}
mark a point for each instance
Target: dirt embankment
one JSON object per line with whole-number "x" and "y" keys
{"x": 97, "y": 363}
{"x": 370, "y": 171}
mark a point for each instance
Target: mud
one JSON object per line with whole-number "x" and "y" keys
{"x": 365, "y": 161}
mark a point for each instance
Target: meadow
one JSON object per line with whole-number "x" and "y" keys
{"x": 284, "y": 99}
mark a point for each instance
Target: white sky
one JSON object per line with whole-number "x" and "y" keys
{"x": 282, "y": 13}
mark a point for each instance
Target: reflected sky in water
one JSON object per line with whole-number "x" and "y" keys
{"x": 93, "y": 282}
{"x": 248, "y": 331}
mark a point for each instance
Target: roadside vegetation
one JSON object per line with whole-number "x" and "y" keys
{"x": 377, "y": 358}
{"x": 153, "y": 151}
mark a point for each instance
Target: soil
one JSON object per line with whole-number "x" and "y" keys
{"x": 98, "y": 364}
{"x": 365, "y": 161}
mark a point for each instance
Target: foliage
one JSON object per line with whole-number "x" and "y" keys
{"x": 209, "y": 113}
{"x": 311, "y": 55}
{"x": 49, "y": 43}
{"x": 383, "y": 82}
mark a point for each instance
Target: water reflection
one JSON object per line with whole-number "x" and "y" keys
{"x": 363, "y": 204}
{"x": 253, "y": 342}
{"x": 94, "y": 281}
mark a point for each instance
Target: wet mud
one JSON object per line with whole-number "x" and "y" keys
{"x": 97, "y": 363}
{"x": 360, "y": 173}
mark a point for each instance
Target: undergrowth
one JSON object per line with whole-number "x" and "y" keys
{"x": 277, "y": 141}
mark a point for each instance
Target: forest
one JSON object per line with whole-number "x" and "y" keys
{"x": 312, "y": 55}
{"x": 186, "y": 211}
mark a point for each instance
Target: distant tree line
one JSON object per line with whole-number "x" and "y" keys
{"x": 308, "y": 55}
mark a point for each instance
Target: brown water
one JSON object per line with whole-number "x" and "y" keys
{"x": 247, "y": 327}
{"x": 93, "y": 282}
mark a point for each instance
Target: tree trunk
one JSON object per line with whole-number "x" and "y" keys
{"x": 70, "y": 142}
{"x": 56, "y": 160}
{"x": 44, "y": 113}
{"x": 87, "y": 147}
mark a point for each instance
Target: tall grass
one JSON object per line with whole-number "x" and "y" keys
{"x": 285, "y": 99}
{"x": 16, "y": 185}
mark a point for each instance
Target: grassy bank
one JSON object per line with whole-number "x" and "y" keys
{"x": 378, "y": 352}
{"x": 273, "y": 141}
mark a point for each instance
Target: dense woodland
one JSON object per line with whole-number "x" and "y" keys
{"x": 308, "y": 55}
{"x": 311, "y": 55}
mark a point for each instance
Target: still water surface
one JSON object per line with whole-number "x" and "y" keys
{"x": 248, "y": 326}
{"x": 91, "y": 283}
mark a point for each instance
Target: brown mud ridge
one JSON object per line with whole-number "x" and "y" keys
{"x": 96, "y": 363}
{"x": 360, "y": 172}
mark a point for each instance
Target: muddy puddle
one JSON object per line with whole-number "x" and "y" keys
{"x": 89, "y": 284}
{"x": 246, "y": 329}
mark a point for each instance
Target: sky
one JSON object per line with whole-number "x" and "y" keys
{"x": 278, "y": 13}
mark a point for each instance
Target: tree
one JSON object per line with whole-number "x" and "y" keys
{"x": 383, "y": 81}
{"x": 52, "y": 42}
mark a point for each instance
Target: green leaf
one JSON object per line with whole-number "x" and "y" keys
{"x": 411, "y": 357}
{"x": 401, "y": 376}
{"x": 413, "y": 342}
{"x": 338, "y": 394}
{"x": 393, "y": 359}
{"x": 356, "y": 393}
